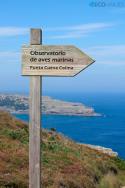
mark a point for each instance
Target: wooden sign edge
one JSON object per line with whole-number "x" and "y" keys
{"x": 92, "y": 61}
{"x": 71, "y": 46}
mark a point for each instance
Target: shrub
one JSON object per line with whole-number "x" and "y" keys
{"x": 120, "y": 163}
{"x": 19, "y": 134}
{"x": 109, "y": 181}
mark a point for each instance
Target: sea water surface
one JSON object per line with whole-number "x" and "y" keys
{"x": 107, "y": 130}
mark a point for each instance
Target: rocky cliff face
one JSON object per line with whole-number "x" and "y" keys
{"x": 20, "y": 104}
{"x": 54, "y": 106}
{"x": 104, "y": 150}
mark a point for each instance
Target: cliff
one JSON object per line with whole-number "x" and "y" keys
{"x": 20, "y": 104}
{"x": 65, "y": 164}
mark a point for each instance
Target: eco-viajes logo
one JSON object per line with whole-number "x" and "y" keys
{"x": 105, "y": 3}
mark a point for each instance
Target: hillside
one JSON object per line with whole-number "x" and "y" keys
{"x": 65, "y": 164}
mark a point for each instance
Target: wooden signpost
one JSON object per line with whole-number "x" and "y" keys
{"x": 39, "y": 60}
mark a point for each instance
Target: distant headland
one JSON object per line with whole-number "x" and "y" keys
{"x": 19, "y": 104}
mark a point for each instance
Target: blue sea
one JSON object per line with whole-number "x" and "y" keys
{"x": 107, "y": 130}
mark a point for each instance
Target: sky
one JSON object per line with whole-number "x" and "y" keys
{"x": 97, "y": 29}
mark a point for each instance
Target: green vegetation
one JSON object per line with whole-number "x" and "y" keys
{"x": 65, "y": 164}
{"x": 16, "y": 104}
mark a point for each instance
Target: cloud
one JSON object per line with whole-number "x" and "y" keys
{"x": 9, "y": 56}
{"x": 69, "y": 35}
{"x": 108, "y": 53}
{"x": 109, "y": 50}
{"x": 13, "y": 31}
{"x": 78, "y": 31}
{"x": 80, "y": 27}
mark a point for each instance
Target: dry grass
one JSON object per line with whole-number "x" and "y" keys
{"x": 65, "y": 164}
{"x": 109, "y": 180}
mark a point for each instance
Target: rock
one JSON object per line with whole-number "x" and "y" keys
{"x": 53, "y": 106}
{"x": 20, "y": 104}
{"x": 104, "y": 150}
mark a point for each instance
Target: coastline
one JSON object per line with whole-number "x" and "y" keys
{"x": 102, "y": 149}
{"x": 17, "y": 104}
{"x": 43, "y": 113}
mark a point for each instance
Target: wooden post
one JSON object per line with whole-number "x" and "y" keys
{"x": 35, "y": 120}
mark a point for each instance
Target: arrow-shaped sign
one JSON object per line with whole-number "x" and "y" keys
{"x": 53, "y": 60}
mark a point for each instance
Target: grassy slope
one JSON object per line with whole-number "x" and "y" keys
{"x": 65, "y": 164}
